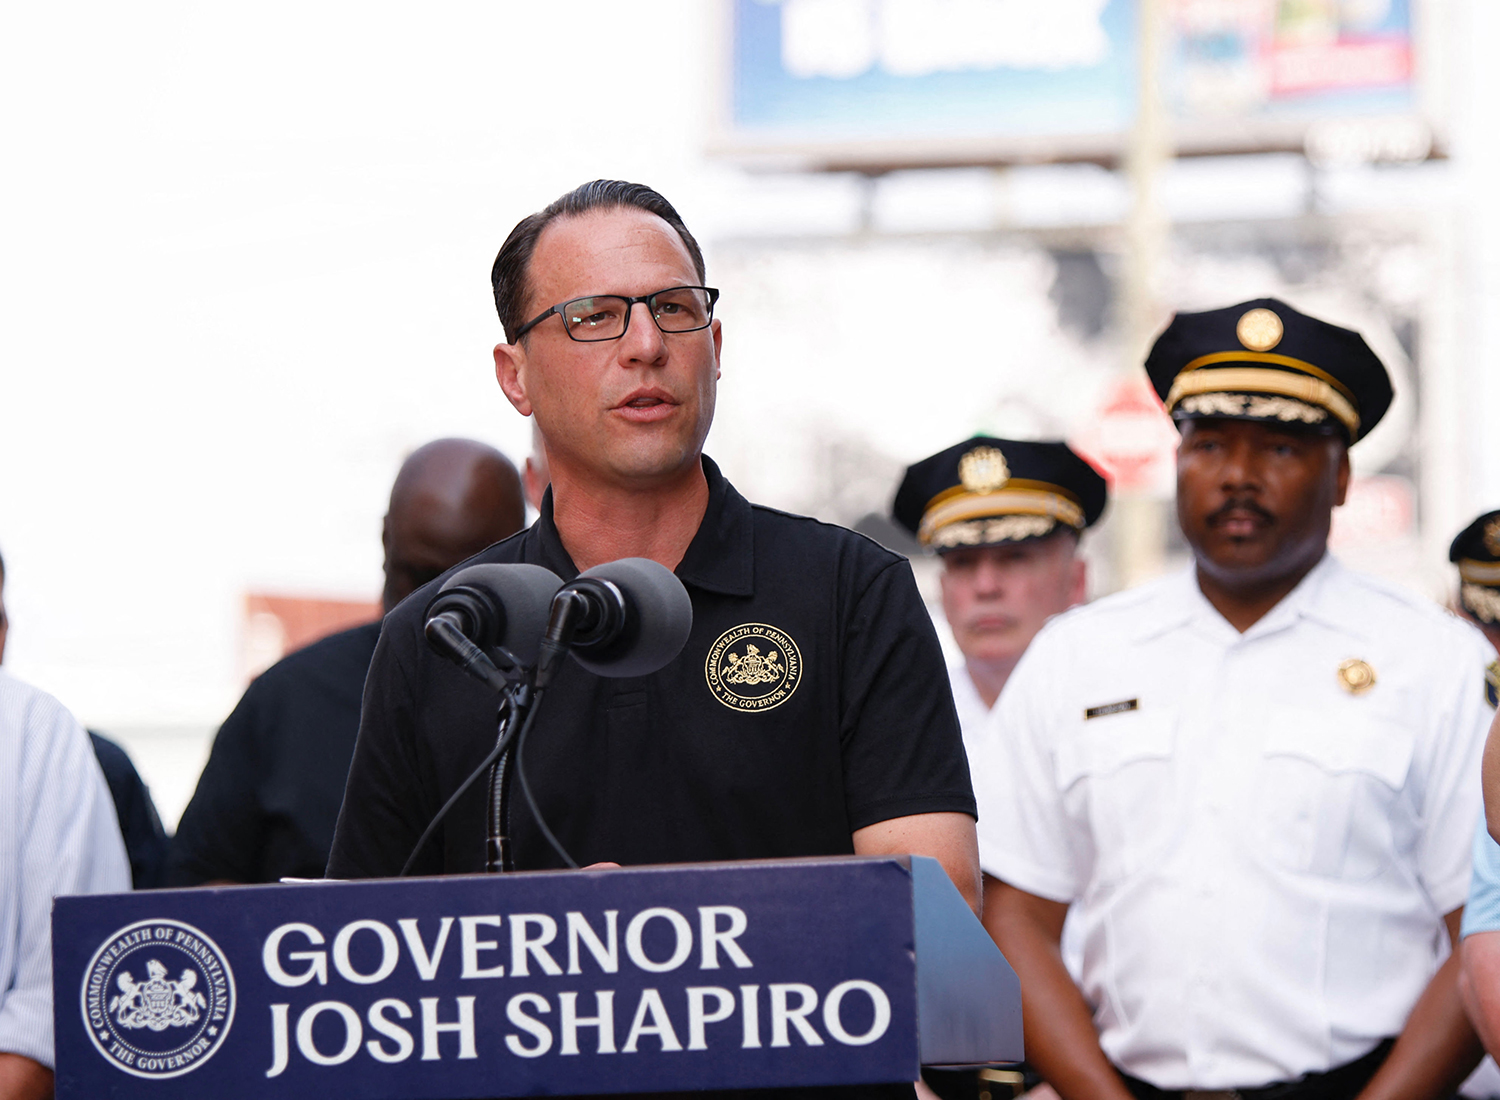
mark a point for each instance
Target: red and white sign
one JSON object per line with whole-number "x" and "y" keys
{"x": 1377, "y": 510}
{"x": 1130, "y": 439}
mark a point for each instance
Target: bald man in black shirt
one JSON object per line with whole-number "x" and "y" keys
{"x": 269, "y": 797}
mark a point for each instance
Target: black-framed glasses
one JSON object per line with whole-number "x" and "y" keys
{"x": 607, "y": 316}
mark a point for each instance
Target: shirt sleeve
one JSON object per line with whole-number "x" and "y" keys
{"x": 902, "y": 750}
{"x": 1452, "y": 799}
{"x": 69, "y": 843}
{"x": 384, "y": 811}
{"x": 1482, "y": 912}
{"x": 220, "y": 834}
{"x": 1023, "y": 829}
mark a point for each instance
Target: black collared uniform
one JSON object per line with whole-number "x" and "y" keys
{"x": 810, "y": 700}
{"x": 268, "y": 799}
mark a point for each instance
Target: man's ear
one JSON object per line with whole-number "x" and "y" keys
{"x": 510, "y": 372}
{"x": 718, "y": 332}
{"x": 1343, "y": 477}
{"x": 1078, "y": 588}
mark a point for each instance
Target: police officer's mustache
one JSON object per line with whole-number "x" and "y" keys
{"x": 1242, "y": 506}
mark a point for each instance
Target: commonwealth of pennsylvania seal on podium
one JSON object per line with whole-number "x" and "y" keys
{"x": 158, "y": 998}
{"x": 753, "y": 667}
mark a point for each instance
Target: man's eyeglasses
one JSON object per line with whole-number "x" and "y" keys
{"x": 607, "y": 316}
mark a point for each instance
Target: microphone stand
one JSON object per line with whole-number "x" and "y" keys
{"x": 497, "y": 845}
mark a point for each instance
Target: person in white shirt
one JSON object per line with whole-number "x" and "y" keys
{"x": 58, "y": 835}
{"x": 1255, "y": 782}
{"x": 1004, "y": 517}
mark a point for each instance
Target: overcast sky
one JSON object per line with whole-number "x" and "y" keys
{"x": 246, "y": 255}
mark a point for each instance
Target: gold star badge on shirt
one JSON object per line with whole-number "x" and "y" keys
{"x": 1356, "y": 676}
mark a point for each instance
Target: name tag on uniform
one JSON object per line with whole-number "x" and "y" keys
{"x": 1112, "y": 708}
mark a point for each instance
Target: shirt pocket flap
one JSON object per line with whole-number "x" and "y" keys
{"x": 1099, "y": 746}
{"x": 1338, "y": 743}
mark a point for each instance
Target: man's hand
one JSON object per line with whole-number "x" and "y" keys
{"x": 23, "y": 1079}
{"x": 1061, "y": 1042}
{"x": 1437, "y": 1048}
{"x": 948, "y": 838}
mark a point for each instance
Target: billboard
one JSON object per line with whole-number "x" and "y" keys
{"x": 881, "y": 84}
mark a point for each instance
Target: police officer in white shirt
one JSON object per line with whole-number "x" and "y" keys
{"x": 1004, "y": 517}
{"x": 1254, "y": 782}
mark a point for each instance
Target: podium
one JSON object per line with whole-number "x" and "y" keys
{"x": 821, "y": 971}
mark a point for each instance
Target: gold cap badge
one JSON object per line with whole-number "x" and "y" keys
{"x": 1259, "y": 330}
{"x": 1356, "y": 676}
{"x": 1492, "y": 536}
{"x": 983, "y": 470}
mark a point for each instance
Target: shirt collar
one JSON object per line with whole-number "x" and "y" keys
{"x": 1317, "y": 596}
{"x": 1178, "y": 602}
{"x": 1325, "y": 598}
{"x": 721, "y": 557}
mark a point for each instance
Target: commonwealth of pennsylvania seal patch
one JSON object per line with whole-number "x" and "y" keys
{"x": 158, "y": 998}
{"x": 753, "y": 667}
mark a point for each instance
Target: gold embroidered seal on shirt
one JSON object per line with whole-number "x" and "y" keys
{"x": 1259, "y": 330}
{"x": 983, "y": 470}
{"x": 1492, "y": 684}
{"x": 1356, "y": 676}
{"x": 753, "y": 667}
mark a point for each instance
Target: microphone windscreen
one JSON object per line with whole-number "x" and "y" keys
{"x": 658, "y": 621}
{"x": 524, "y": 592}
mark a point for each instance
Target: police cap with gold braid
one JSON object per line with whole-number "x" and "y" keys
{"x": 1476, "y": 552}
{"x": 1262, "y": 360}
{"x": 987, "y": 491}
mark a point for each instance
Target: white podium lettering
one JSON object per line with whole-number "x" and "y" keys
{"x": 522, "y": 944}
{"x": 603, "y": 1019}
{"x": 782, "y": 1014}
{"x": 636, "y": 928}
{"x": 431, "y": 1029}
{"x": 712, "y": 937}
{"x": 383, "y": 1025}
{"x": 835, "y": 1025}
{"x": 317, "y": 961}
{"x": 354, "y": 1033}
{"x": 472, "y": 945}
{"x": 390, "y": 952}
{"x": 607, "y": 955}
{"x": 699, "y": 1017}
{"x": 427, "y": 965}
{"x": 660, "y": 1025}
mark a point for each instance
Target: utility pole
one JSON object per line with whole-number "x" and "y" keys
{"x": 1141, "y": 520}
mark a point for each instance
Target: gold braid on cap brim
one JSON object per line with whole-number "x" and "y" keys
{"x": 1006, "y": 515}
{"x": 1481, "y": 602}
{"x": 1297, "y": 392}
{"x": 1479, "y": 572}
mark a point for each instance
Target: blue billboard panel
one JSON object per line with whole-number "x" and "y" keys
{"x": 1012, "y": 78}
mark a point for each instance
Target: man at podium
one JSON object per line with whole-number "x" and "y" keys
{"x": 808, "y": 712}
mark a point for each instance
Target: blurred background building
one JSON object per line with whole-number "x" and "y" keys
{"x": 247, "y": 254}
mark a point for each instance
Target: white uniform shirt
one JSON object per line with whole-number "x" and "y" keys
{"x": 973, "y": 715}
{"x": 58, "y": 835}
{"x": 1259, "y": 859}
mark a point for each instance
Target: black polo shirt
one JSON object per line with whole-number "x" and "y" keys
{"x": 810, "y": 700}
{"x": 269, "y": 796}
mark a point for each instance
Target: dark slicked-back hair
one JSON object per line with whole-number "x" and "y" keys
{"x": 510, "y": 276}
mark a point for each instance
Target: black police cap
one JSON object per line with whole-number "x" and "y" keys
{"x": 986, "y": 491}
{"x": 1476, "y": 552}
{"x": 1263, "y": 360}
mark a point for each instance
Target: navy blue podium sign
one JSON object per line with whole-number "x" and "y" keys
{"x": 696, "y": 976}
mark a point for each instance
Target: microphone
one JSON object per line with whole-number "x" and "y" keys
{"x": 623, "y": 618}
{"x": 491, "y": 607}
